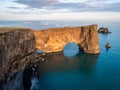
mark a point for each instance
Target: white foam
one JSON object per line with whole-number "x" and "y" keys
{"x": 34, "y": 83}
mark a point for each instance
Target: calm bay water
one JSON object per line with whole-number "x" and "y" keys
{"x": 82, "y": 71}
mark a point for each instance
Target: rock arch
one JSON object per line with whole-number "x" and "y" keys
{"x": 71, "y": 49}
{"x": 54, "y": 39}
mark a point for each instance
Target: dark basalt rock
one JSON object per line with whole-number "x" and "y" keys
{"x": 108, "y": 45}
{"x": 15, "y": 45}
{"x": 29, "y": 71}
{"x": 103, "y": 30}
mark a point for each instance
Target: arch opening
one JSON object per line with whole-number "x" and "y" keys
{"x": 71, "y": 49}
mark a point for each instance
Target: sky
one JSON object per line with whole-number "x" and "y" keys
{"x": 59, "y": 9}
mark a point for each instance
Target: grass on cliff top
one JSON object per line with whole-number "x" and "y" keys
{"x": 8, "y": 29}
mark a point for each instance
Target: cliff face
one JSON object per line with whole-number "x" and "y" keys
{"x": 15, "y": 44}
{"x": 54, "y": 40}
{"x": 18, "y": 44}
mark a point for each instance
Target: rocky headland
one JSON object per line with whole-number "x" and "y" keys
{"x": 55, "y": 39}
{"x": 15, "y": 44}
{"x": 18, "y": 45}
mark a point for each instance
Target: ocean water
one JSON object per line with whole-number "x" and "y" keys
{"x": 81, "y": 71}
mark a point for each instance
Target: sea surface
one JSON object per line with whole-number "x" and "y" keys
{"x": 73, "y": 69}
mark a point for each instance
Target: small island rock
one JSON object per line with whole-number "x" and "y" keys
{"x": 108, "y": 45}
{"x": 103, "y": 30}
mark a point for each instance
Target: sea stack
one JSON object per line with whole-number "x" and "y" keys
{"x": 108, "y": 45}
{"x": 103, "y": 30}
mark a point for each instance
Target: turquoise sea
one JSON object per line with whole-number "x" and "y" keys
{"x": 71, "y": 71}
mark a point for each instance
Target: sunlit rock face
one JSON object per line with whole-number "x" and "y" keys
{"x": 55, "y": 39}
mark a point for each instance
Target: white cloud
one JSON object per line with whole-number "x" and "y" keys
{"x": 63, "y": 16}
{"x": 59, "y": 9}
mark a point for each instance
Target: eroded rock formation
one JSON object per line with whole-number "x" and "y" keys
{"x": 107, "y": 45}
{"x": 103, "y": 30}
{"x": 15, "y": 44}
{"x": 54, "y": 40}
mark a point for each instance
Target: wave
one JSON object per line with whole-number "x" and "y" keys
{"x": 34, "y": 83}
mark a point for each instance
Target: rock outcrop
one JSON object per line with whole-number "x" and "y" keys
{"x": 54, "y": 39}
{"x": 103, "y": 30}
{"x": 15, "y": 44}
{"x": 107, "y": 45}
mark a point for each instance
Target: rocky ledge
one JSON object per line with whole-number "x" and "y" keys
{"x": 18, "y": 45}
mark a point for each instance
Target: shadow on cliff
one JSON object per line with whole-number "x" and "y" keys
{"x": 16, "y": 47}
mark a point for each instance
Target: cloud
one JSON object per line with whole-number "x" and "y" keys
{"x": 103, "y": 7}
{"x": 71, "y": 5}
{"x": 13, "y": 7}
{"x": 29, "y": 10}
{"x": 59, "y": 9}
{"x": 38, "y": 3}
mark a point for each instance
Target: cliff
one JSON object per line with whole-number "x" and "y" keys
{"x": 54, "y": 39}
{"x": 15, "y": 44}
